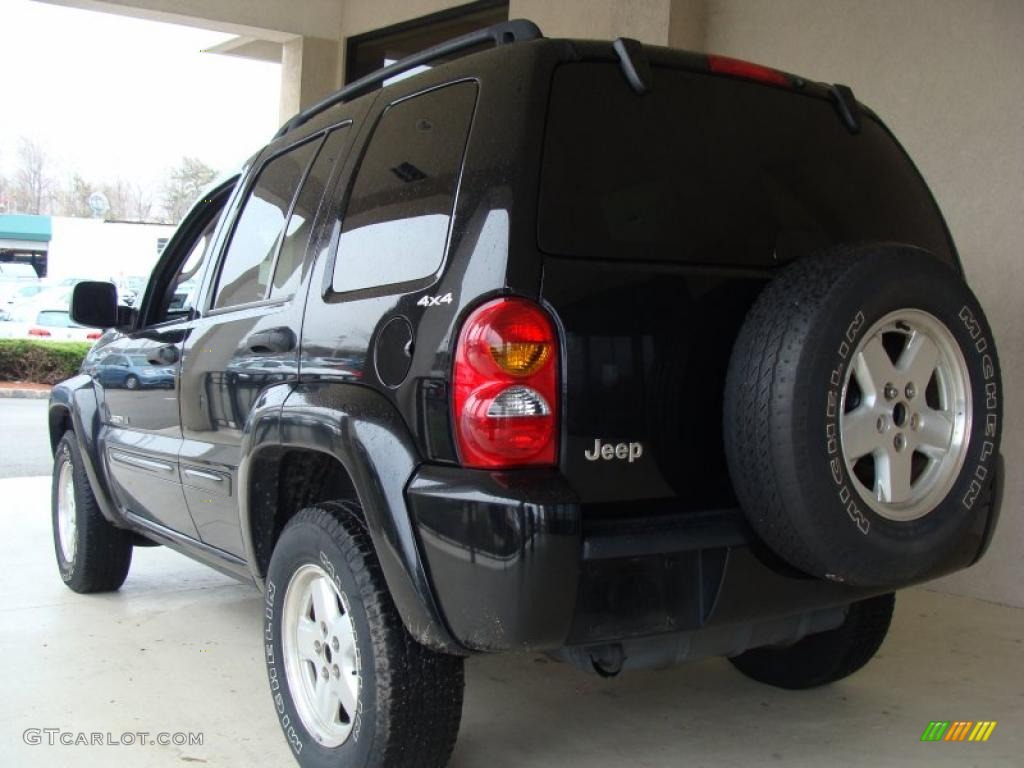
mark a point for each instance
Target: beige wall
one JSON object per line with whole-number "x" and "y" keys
{"x": 948, "y": 77}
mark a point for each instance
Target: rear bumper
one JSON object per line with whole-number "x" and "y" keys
{"x": 517, "y": 563}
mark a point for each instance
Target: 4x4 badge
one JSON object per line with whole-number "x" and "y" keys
{"x": 608, "y": 451}
{"x": 435, "y": 301}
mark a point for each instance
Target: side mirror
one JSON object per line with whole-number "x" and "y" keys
{"x": 94, "y": 304}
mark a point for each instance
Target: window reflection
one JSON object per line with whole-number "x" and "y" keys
{"x": 396, "y": 225}
{"x": 245, "y": 272}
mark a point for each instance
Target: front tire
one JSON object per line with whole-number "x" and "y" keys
{"x": 92, "y": 555}
{"x": 350, "y": 686}
{"x": 131, "y": 382}
{"x": 827, "y": 656}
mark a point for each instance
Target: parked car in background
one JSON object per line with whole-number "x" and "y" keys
{"x": 131, "y": 289}
{"x": 45, "y": 322}
{"x": 134, "y": 372}
{"x": 17, "y": 271}
{"x": 20, "y": 290}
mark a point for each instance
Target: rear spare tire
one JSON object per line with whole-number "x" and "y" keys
{"x": 863, "y": 410}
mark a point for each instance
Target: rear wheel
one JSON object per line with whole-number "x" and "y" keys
{"x": 131, "y": 382}
{"x": 863, "y": 411}
{"x": 92, "y": 555}
{"x": 825, "y": 657}
{"x": 350, "y": 686}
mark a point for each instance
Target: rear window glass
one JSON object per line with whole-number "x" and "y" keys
{"x": 396, "y": 226}
{"x": 55, "y": 319}
{"x": 707, "y": 169}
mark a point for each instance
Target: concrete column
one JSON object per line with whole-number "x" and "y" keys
{"x": 310, "y": 69}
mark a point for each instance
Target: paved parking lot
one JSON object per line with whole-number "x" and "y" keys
{"x": 178, "y": 650}
{"x": 24, "y": 441}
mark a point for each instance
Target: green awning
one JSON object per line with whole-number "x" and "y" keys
{"x": 17, "y": 226}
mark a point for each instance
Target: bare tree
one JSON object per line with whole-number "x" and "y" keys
{"x": 140, "y": 203}
{"x": 118, "y": 194}
{"x": 33, "y": 188}
{"x": 5, "y": 189}
{"x": 184, "y": 186}
{"x": 74, "y": 199}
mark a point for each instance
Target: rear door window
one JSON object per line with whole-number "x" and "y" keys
{"x": 395, "y": 228}
{"x": 247, "y": 264}
{"x": 292, "y": 258}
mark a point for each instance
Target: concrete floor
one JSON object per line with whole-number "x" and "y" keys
{"x": 24, "y": 439}
{"x": 178, "y": 649}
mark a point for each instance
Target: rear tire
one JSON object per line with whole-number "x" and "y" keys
{"x": 92, "y": 555}
{"x": 386, "y": 700}
{"x": 863, "y": 411}
{"x": 827, "y": 656}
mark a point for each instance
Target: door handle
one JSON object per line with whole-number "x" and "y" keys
{"x": 271, "y": 341}
{"x": 167, "y": 355}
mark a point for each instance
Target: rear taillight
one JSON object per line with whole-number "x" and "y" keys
{"x": 723, "y": 65}
{"x": 506, "y": 386}
{"x": 38, "y": 332}
{"x": 94, "y": 336}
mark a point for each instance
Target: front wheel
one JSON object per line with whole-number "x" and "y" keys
{"x": 827, "y": 656}
{"x": 92, "y": 555}
{"x": 350, "y": 686}
{"x": 131, "y": 382}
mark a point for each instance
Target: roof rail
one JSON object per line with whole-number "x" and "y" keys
{"x": 513, "y": 31}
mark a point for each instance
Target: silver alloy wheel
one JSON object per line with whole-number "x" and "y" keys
{"x": 318, "y": 640}
{"x": 904, "y": 425}
{"x": 67, "y": 523}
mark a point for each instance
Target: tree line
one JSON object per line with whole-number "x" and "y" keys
{"x": 35, "y": 188}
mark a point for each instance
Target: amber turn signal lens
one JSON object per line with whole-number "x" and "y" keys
{"x": 521, "y": 358}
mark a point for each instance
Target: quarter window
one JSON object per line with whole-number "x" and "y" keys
{"x": 396, "y": 227}
{"x": 246, "y": 269}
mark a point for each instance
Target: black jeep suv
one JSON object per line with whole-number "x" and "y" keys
{"x": 623, "y": 354}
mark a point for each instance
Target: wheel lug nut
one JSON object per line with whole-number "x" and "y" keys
{"x": 325, "y": 673}
{"x": 915, "y": 421}
{"x": 335, "y": 644}
{"x": 891, "y": 393}
{"x": 323, "y": 627}
{"x": 882, "y": 424}
{"x": 910, "y": 391}
{"x": 899, "y": 442}
{"x": 336, "y": 671}
{"x": 318, "y": 646}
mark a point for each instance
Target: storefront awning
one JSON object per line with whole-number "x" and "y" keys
{"x": 23, "y": 232}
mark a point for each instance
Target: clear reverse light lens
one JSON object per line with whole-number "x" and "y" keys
{"x": 516, "y": 402}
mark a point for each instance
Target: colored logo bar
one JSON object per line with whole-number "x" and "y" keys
{"x": 958, "y": 730}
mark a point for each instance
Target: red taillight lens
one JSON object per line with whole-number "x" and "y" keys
{"x": 506, "y": 386}
{"x": 41, "y": 332}
{"x": 723, "y": 65}
{"x": 94, "y": 336}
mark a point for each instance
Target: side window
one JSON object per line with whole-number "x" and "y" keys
{"x": 288, "y": 272}
{"x": 245, "y": 271}
{"x": 396, "y": 226}
{"x": 177, "y": 293}
{"x": 186, "y": 282}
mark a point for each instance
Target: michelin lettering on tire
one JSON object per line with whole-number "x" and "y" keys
{"x": 981, "y": 347}
{"x": 837, "y": 379}
{"x": 290, "y": 733}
